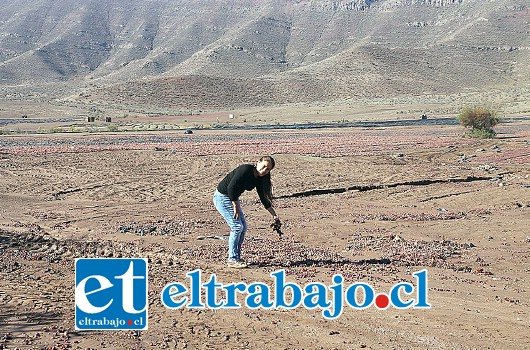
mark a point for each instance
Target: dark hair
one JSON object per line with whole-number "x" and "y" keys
{"x": 268, "y": 159}
{"x": 266, "y": 180}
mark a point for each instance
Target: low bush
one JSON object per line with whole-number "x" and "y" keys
{"x": 481, "y": 120}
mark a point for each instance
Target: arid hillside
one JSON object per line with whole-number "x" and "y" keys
{"x": 185, "y": 55}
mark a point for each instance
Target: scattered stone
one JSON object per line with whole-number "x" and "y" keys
{"x": 212, "y": 237}
{"x": 396, "y": 155}
{"x": 487, "y": 167}
{"x": 147, "y": 230}
{"x": 465, "y": 159}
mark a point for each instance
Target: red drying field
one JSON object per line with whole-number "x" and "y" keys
{"x": 334, "y": 143}
{"x": 345, "y": 142}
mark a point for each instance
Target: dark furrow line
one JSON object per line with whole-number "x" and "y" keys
{"x": 318, "y": 192}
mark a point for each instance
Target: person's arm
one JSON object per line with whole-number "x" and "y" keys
{"x": 273, "y": 213}
{"x": 266, "y": 202}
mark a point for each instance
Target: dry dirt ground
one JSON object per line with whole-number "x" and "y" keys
{"x": 374, "y": 205}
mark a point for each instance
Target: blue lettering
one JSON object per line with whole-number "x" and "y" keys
{"x": 195, "y": 277}
{"x": 289, "y": 295}
{"x": 259, "y": 296}
{"x": 211, "y": 293}
{"x": 171, "y": 290}
{"x": 394, "y": 295}
{"x": 280, "y": 288}
{"x": 422, "y": 290}
{"x": 351, "y": 295}
{"x": 316, "y": 296}
{"x": 337, "y": 298}
{"x": 231, "y": 294}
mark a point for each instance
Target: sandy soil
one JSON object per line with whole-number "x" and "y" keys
{"x": 372, "y": 204}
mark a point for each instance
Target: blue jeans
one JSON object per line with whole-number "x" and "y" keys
{"x": 238, "y": 228}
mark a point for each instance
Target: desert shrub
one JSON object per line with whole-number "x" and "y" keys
{"x": 482, "y": 133}
{"x": 481, "y": 120}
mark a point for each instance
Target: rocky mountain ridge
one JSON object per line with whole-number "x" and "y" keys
{"x": 222, "y": 54}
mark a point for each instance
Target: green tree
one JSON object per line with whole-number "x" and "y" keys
{"x": 481, "y": 120}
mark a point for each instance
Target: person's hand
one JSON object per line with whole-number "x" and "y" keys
{"x": 277, "y": 226}
{"x": 237, "y": 212}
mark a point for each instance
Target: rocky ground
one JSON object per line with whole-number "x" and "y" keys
{"x": 373, "y": 204}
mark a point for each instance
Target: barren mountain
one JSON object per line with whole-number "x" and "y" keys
{"x": 215, "y": 54}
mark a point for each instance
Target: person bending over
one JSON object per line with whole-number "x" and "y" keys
{"x": 245, "y": 177}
